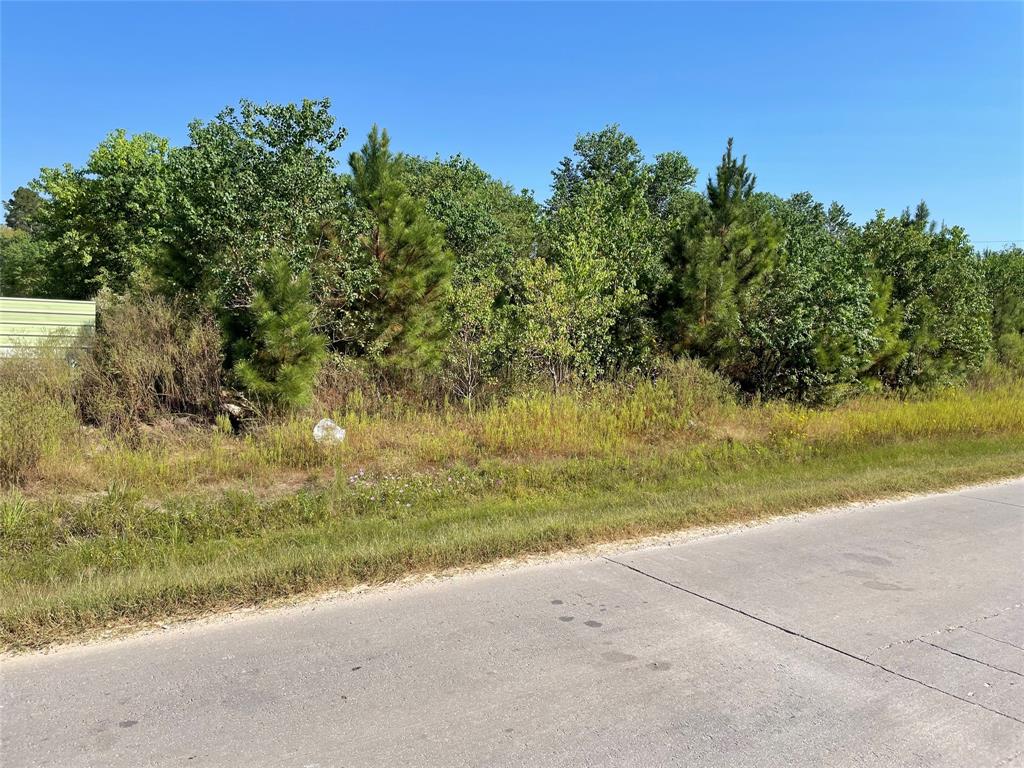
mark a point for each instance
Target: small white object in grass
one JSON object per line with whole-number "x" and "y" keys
{"x": 326, "y": 431}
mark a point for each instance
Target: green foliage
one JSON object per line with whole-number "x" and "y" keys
{"x": 613, "y": 157}
{"x": 344, "y": 278}
{"x": 405, "y": 308}
{"x": 486, "y": 223}
{"x": 253, "y": 180}
{"x": 601, "y": 243}
{"x": 21, "y": 210}
{"x": 482, "y": 336}
{"x": 490, "y": 230}
{"x": 813, "y": 331}
{"x": 670, "y": 193}
{"x": 887, "y": 317}
{"x": 275, "y": 353}
{"x": 938, "y": 294}
{"x": 609, "y": 156}
{"x": 24, "y": 265}
{"x": 1004, "y": 282}
{"x": 422, "y": 272}
{"x": 719, "y": 259}
{"x": 569, "y": 311}
{"x": 611, "y": 207}
{"x": 106, "y": 220}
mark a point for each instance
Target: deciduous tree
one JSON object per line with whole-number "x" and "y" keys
{"x": 24, "y": 265}
{"x": 813, "y": 331}
{"x": 254, "y": 180}
{"x": 938, "y": 295}
{"x": 105, "y": 222}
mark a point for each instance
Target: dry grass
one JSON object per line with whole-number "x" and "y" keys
{"x": 174, "y": 520}
{"x": 149, "y": 358}
{"x": 601, "y": 423}
{"x": 954, "y": 412}
{"x": 38, "y": 421}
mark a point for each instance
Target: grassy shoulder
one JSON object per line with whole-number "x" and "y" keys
{"x": 74, "y": 563}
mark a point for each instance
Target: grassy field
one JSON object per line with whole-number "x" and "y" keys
{"x": 178, "y": 521}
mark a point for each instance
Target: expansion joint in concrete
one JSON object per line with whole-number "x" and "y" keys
{"x": 809, "y": 639}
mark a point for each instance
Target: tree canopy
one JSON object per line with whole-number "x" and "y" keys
{"x": 430, "y": 267}
{"x": 256, "y": 179}
{"x": 105, "y": 222}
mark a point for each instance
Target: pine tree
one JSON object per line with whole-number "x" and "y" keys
{"x": 1004, "y": 282}
{"x": 408, "y": 248}
{"x": 731, "y": 189}
{"x": 891, "y": 349}
{"x": 21, "y": 210}
{"x": 718, "y": 258}
{"x": 276, "y": 353}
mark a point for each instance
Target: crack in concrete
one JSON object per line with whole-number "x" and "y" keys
{"x": 966, "y": 626}
{"x": 894, "y": 644}
{"x": 908, "y": 641}
{"x": 998, "y": 613}
{"x": 971, "y": 658}
{"x": 809, "y": 639}
{"x": 993, "y": 501}
{"x": 996, "y": 639}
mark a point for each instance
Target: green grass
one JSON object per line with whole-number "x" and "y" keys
{"x": 73, "y": 565}
{"x": 108, "y": 530}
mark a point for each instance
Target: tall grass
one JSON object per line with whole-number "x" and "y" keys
{"x": 38, "y": 420}
{"x": 951, "y": 412}
{"x": 170, "y": 519}
{"x": 685, "y": 407}
{"x": 149, "y": 358}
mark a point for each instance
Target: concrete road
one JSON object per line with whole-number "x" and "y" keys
{"x": 889, "y": 635}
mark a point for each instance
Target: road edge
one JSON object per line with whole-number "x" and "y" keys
{"x": 140, "y": 631}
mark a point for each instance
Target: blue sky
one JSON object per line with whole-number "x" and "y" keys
{"x": 874, "y": 105}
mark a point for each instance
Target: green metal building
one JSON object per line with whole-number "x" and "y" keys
{"x": 29, "y": 324}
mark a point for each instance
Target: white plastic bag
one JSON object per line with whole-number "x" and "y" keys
{"x": 326, "y": 431}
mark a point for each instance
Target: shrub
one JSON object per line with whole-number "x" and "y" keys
{"x": 149, "y": 358}
{"x": 696, "y": 388}
{"x": 37, "y": 413}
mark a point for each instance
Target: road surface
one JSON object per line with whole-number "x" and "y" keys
{"x": 887, "y": 635}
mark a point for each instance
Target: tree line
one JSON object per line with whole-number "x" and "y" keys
{"x": 429, "y": 267}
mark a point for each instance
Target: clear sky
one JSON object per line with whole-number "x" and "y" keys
{"x": 874, "y": 105}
